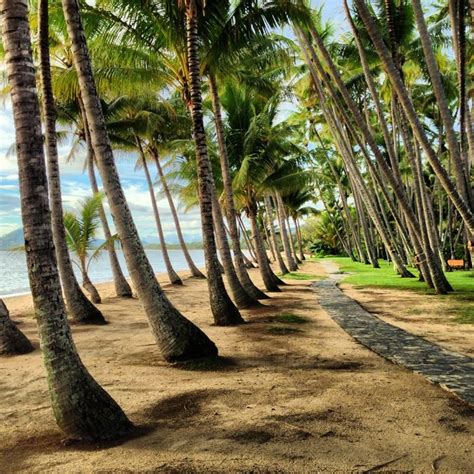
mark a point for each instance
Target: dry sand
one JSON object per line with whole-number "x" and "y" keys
{"x": 304, "y": 401}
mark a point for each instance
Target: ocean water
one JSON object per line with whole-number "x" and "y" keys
{"x": 14, "y": 275}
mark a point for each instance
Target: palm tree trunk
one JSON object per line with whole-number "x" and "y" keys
{"x": 89, "y": 286}
{"x": 368, "y": 137}
{"x": 265, "y": 271}
{"x": 393, "y": 74}
{"x": 292, "y": 242}
{"x": 83, "y": 410}
{"x": 269, "y": 211}
{"x": 81, "y": 310}
{"x": 241, "y": 298}
{"x": 369, "y": 245}
{"x": 250, "y": 246}
{"x": 224, "y": 311}
{"x": 12, "y": 340}
{"x": 172, "y": 275}
{"x": 195, "y": 272}
{"x": 122, "y": 288}
{"x": 298, "y": 236}
{"x": 455, "y": 151}
{"x": 283, "y": 232}
{"x": 177, "y": 337}
{"x": 242, "y": 273}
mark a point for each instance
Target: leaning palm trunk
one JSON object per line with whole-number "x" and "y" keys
{"x": 83, "y": 410}
{"x": 368, "y": 136}
{"x": 292, "y": 241}
{"x": 224, "y": 311}
{"x": 268, "y": 277}
{"x": 269, "y": 212}
{"x": 250, "y": 246}
{"x": 12, "y": 340}
{"x": 244, "y": 278}
{"x": 177, "y": 338}
{"x": 393, "y": 74}
{"x": 283, "y": 232}
{"x": 458, "y": 161}
{"x": 89, "y": 286}
{"x": 241, "y": 298}
{"x": 195, "y": 272}
{"x": 172, "y": 275}
{"x": 122, "y": 288}
{"x": 81, "y": 310}
{"x": 298, "y": 237}
{"x": 351, "y": 167}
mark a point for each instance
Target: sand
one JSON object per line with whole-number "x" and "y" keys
{"x": 302, "y": 399}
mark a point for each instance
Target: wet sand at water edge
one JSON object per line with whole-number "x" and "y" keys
{"x": 285, "y": 397}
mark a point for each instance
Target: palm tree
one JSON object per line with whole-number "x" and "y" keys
{"x": 81, "y": 232}
{"x": 177, "y": 338}
{"x": 224, "y": 311}
{"x": 80, "y": 308}
{"x": 12, "y": 340}
{"x": 122, "y": 287}
{"x": 83, "y": 410}
{"x": 410, "y": 112}
{"x": 172, "y": 275}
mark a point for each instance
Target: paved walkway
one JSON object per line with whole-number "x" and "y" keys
{"x": 453, "y": 371}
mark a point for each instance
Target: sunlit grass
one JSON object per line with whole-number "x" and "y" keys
{"x": 461, "y": 301}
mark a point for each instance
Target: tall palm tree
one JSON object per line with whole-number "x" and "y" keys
{"x": 454, "y": 195}
{"x": 122, "y": 287}
{"x": 172, "y": 275}
{"x": 12, "y": 340}
{"x": 177, "y": 338}
{"x": 224, "y": 311}
{"x": 81, "y": 407}
{"x": 80, "y": 308}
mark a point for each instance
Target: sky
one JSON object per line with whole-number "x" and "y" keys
{"x": 75, "y": 184}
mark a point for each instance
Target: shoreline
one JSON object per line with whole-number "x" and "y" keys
{"x": 105, "y": 288}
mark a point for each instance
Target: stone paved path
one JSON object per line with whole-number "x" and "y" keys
{"x": 453, "y": 371}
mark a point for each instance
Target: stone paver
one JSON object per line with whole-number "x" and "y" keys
{"x": 451, "y": 370}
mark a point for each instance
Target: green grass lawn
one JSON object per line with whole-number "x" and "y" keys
{"x": 462, "y": 299}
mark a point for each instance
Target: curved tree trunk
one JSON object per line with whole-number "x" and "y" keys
{"x": 244, "y": 278}
{"x": 248, "y": 241}
{"x": 81, "y": 310}
{"x": 270, "y": 280}
{"x": 241, "y": 298}
{"x": 81, "y": 407}
{"x": 455, "y": 151}
{"x": 177, "y": 337}
{"x": 172, "y": 275}
{"x": 283, "y": 232}
{"x": 122, "y": 288}
{"x": 12, "y": 340}
{"x": 298, "y": 236}
{"x": 292, "y": 242}
{"x": 195, "y": 272}
{"x": 89, "y": 286}
{"x": 224, "y": 311}
{"x": 269, "y": 212}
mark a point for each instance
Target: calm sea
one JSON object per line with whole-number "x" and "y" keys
{"x": 14, "y": 276}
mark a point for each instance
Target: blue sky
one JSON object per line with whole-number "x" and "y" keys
{"x": 75, "y": 185}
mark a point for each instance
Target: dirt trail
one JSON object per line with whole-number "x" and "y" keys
{"x": 285, "y": 397}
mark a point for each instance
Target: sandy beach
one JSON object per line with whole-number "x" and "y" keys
{"x": 283, "y": 397}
